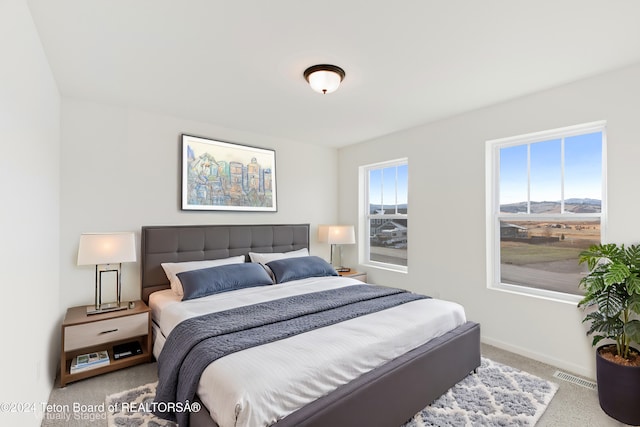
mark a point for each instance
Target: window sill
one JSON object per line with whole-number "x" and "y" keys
{"x": 387, "y": 267}
{"x": 537, "y": 293}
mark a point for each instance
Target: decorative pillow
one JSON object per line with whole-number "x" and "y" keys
{"x": 173, "y": 268}
{"x": 214, "y": 280}
{"x": 288, "y": 269}
{"x": 264, "y": 258}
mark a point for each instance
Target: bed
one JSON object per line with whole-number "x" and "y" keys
{"x": 388, "y": 394}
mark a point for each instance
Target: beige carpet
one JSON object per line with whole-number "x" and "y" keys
{"x": 572, "y": 405}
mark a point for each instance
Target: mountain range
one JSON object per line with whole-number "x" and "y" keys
{"x": 575, "y": 205}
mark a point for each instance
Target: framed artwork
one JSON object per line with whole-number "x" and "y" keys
{"x": 221, "y": 176}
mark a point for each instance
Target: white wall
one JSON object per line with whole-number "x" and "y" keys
{"x": 121, "y": 170}
{"x": 29, "y": 217}
{"x": 447, "y": 208}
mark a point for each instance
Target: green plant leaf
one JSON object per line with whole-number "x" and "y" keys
{"x": 617, "y": 273}
{"x": 610, "y": 303}
{"x": 633, "y": 284}
{"x": 632, "y": 253}
{"x": 634, "y": 303}
{"x": 608, "y": 326}
{"x": 596, "y": 340}
{"x": 587, "y": 301}
{"x": 613, "y": 284}
{"x": 632, "y": 330}
{"x": 597, "y": 254}
{"x": 592, "y": 284}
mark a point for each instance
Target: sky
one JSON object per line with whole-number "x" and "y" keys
{"x": 582, "y": 170}
{"x": 384, "y": 186}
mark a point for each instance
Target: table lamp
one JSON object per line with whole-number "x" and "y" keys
{"x": 336, "y": 236}
{"x": 107, "y": 251}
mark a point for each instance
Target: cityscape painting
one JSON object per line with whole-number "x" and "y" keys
{"x": 220, "y": 175}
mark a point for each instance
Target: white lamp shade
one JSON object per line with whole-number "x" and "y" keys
{"x": 324, "y": 81}
{"x": 323, "y": 233}
{"x": 341, "y": 235}
{"x": 106, "y": 248}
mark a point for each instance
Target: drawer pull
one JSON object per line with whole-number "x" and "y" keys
{"x": 108, "y": 332}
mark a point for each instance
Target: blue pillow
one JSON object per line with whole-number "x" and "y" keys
{"x": 288, "y": 269}
{"x": 224, "y": 278}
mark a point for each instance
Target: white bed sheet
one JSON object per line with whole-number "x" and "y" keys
{"x": 261, "y": 385}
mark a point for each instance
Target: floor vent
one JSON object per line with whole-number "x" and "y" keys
{"x": 575, "y": 380}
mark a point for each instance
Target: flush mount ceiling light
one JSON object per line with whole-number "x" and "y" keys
{"x": 324, "y": 78}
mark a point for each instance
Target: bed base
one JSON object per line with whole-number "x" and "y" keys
{"x": 393, "y": 393}
{"x": 387, "y": 396}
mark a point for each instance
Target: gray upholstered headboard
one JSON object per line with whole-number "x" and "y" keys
{"x": 180, "y": 243}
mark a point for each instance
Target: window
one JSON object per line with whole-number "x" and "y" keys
{"x": 385, "y": 214}
{"x": 545, "y": 204}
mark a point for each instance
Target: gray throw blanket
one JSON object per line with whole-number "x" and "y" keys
{"x": 196, "y": 342}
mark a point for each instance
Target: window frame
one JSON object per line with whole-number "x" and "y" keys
{"x": 493, "y": 215}
{"x": 366, "y": 216}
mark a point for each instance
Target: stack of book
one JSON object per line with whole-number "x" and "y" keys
{"x": 84, "y": 362}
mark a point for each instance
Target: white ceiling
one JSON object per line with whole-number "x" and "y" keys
{"x": 239, "y": 64}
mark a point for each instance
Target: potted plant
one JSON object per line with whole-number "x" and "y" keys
{"x": 612, "y": 300}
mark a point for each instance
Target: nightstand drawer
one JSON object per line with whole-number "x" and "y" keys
{"x": 103, "y": 331}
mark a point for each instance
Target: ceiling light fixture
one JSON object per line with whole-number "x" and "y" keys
{"x": 324, "y": 78}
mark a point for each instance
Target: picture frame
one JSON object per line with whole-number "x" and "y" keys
{"x": 225, "y": 176}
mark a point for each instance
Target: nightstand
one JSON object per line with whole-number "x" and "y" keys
{"x": 354, "y": 275}
{"x": 82, "y": 333}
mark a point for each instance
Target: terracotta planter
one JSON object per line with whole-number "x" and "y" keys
{"x": 618, "y": 390}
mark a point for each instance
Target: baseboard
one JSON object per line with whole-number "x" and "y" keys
{"x": 540, "y": 357}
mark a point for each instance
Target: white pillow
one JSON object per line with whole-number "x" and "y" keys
{"x": 173, "y": 268}
{"x": 264, "y": 258}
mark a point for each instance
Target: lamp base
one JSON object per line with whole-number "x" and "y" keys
{"x": 106, "y": 308}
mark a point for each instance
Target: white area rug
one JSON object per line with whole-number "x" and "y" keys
{"x": 498, "y": 395}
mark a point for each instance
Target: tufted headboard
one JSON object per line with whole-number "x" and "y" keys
{"x": 180, "y": 243}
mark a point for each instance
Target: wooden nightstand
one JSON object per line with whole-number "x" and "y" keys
{"x": 85, "y": 334}
{"x": 354, "y": 275}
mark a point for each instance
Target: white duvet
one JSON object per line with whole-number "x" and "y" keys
{"x": 261, "y": 385}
